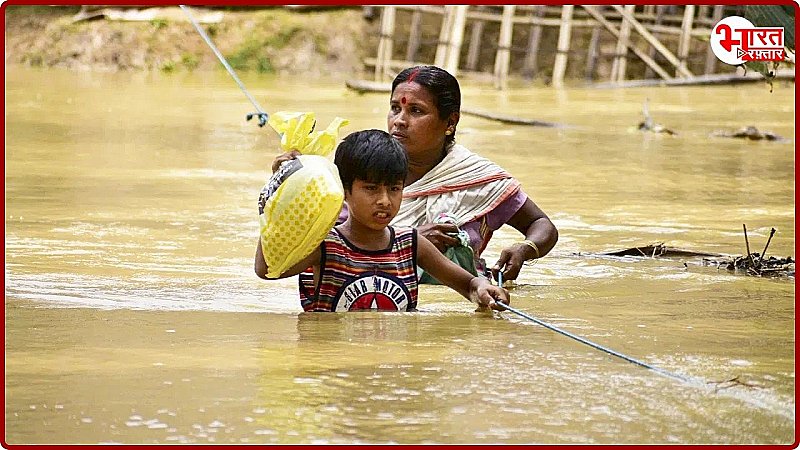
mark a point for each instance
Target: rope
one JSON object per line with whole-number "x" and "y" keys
{"x": 262, "y": 116}
{"x": 588, "y": 342}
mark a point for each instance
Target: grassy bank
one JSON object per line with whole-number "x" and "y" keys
{"x": 267, "y": 40}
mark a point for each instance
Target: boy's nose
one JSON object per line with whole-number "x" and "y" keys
{"x": 383, "y": 197}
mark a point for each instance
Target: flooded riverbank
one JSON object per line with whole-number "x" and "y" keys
{"x": 133, "y": 314}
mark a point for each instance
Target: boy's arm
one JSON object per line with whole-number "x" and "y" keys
{"x": 476, "y": 289}
{"x": 261, "y": 265}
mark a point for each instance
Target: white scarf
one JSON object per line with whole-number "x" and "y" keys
{"x": 464, "y": 185}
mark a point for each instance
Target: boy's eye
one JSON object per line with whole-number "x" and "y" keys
{"x": 398, "y": 187}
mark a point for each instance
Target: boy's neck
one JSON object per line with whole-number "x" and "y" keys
{"x": 363, "y": 237}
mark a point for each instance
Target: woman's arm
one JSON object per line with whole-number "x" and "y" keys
{"x": 537, "y": 228}
{"x": 261, "y": 265}
{"x": 477, "y": 289}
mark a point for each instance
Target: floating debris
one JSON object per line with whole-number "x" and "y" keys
{"x": 650, "y": 125}
{"x": 658, "y": 250}
{"x": 755, "y": 264}
{"x": 751, "y": 133}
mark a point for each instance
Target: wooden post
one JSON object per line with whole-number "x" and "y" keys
{"x": 653, "y": 41}
{"x": 711, "y": 58}
{"x": 474, "y": 51}
{"x": 503, "y": 56}
{"x": 620, "y": 63}
{"x": 648, "y": 73}
{"x": 564, "y": 32}
{"x": 529, "y": 69}
{"x": 413, "y": 35}
{"x": 685, "y": 43}
{"x": 456, "y": 38}
{"x": 592, "y": 53}
{"x": 385, "y": 43}
{"x": 598, "y": 16}
{"x": 444, "y": 35}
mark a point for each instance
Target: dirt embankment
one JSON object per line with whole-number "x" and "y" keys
{"x": 268, "y": 40}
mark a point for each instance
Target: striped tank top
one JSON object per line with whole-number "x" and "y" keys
{"x": 355, "y": 279}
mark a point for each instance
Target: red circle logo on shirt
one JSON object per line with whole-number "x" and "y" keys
{"x": 378, "y": 291}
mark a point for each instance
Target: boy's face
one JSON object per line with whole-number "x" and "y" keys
{"x": 374, "y": 205}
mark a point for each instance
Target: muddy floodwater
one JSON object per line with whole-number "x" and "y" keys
{"x": 132, "y": 314}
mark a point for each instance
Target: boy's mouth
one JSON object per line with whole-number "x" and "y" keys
{"x": 381, "y": 216}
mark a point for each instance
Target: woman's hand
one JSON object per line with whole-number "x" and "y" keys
{"x": 511, "y": 261}
{"x": 283, "y": 157}
{"x": 487, "y": 295}
{"x": 441, "y": 235}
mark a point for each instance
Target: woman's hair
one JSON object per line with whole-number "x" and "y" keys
{"x": 443, "y": 86}
{"x": 372, "y": 156}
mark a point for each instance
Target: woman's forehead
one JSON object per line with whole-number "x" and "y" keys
{"x": 412, "y": 93}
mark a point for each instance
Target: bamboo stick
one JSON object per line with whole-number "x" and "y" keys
{"x": 592, "y": 53}
{"x": 651, "y": 51}
{"x": 503, "y": 56}
{"x": 474, "y": 51}
{"x": 414, "y": 31}
{"x": 649, "y": 37}
{"x": 564, "y": 32}
{"x": 613, "y": 30}
{"x": 385, "y": 43}
{"x": 530, "y": 67}
{"x": 684, "y": 43}
{"x": 456, "y": 39}
{"x": 711, "y": 58}
{"x": 619, "y": 65}
{"x": 444, "y": 35}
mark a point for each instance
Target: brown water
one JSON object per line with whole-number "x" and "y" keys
{"x": 132, "y": 314}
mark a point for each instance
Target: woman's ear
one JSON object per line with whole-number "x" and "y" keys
{"x": 452, "y": 121}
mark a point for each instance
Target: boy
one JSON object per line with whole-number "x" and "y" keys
{"x": 364, "y": 263}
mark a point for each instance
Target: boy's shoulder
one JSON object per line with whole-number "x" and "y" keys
{"x": 404, "y": 233}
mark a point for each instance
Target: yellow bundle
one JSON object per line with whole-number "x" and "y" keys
{"x": 301, "y": 201}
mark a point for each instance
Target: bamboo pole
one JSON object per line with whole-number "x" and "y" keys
{"x": 651, "y": 51}
{"x": 598, "y": 16}
{"x": 503, "y": 56}
{"x": 530, "y": 67}
{"x": 684, "y": 44}
{"x": 474, "y": 51}
{"x": 385, "y": 43}
{"x": 652, "y": 40}
{"x": 711, "y": 58}
{"x": 414, "y": 31}
{"x": 444, "y": 35}
{"x": 456, "y": 39}
{"x": 564, "y": 32}
{"x": 592, "y": 53}
{"x": 620, "y": 63}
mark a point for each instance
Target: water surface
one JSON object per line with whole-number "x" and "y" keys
{"x": 133, "y": 314}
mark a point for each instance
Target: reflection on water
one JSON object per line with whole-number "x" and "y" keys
{"x": 133, "y": 315}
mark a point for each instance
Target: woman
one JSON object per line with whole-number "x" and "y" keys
{"x": 449, "y": 188}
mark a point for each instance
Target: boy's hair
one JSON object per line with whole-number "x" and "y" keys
{"x": 372, "y": 156}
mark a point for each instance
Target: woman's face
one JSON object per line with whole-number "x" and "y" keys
{"x": 414, "y": 121}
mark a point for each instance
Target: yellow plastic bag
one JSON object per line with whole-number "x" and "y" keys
{"x": 296, "y": 133}
{"x": 301, "y": 201}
